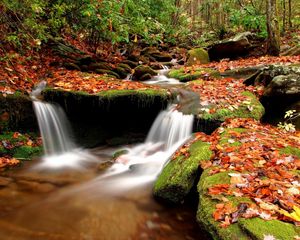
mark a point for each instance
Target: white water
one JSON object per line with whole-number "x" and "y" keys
{"x": 59, "y": 148}
{"x": 143, "y": 163}
{"x": 162, "y": 79}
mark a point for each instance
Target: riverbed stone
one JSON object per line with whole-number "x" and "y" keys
{"x": 179, "y": 175}
{"x": 197, "y": 56}
{"x": 186, "y": 74}
{"x": 141, "y": 71}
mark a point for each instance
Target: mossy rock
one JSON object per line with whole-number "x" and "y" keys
{"x": 141, "y": 70}
{"x": 179, "y": 175}
{"x": 100, "y": 65}
{"x": 132, "y": 64}
{"x": 162, "y": 57}
{"x": 207, "y": 205}
{"x": 197, "y": 56}
{"x": 121, "y": 72}
{"x": 258, "y": 229}
{"x": 252, "y": 109}
{"x": 184, "y": 76}
{"x": 126, "y": 67}
{"x": 108, "y": 72}
{"x": 71, "y": 66}
{"x": 27, "y": 152}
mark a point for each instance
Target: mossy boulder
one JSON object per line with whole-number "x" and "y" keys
{"x": 121, "y": 72}
{"x": 179, "y": 175}
{"x": 132, "y": 64}
{"x": 162, "y": 57}
{"x": 186, "y": 75}
{"x": 197, "y": 56}
{"x": 71, "y": 66}
{"x": 100, "y": 65}
{"x": 141, "y": 71}
{"x": 250, "y": 108}
{"x": 108, "y": 72}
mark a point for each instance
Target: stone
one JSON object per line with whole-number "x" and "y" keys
{"x": 71, "y": 66}
{"x": 100, "y": 65}
{"x": 238, "y": 46}
{"x": 108, "y": 72}
{"x": 162, "y": 57}
{"x": 141, "y": 70}
{"x": 197, "y": 56}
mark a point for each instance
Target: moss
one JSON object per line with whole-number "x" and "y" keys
{"x": 242, "y": 111}
{"x": 207, "y": 205}
{"x": 8, "y": 136}
{"x": 178, "y": 176}
{"x": 184, "y": 76}
{"x": 225, "y": 136}
{"x": 143, "y": 93}
{"x": 290, "y": 151}
{"x": 258, "y": 228}
{"x": 26, "y": 152}
{"x": 108, "y": 72}
{"x": 197, "y": 56}
{"x": 120, "y": 152}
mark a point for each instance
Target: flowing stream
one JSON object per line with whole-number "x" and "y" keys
{"x": 92, "y": 204}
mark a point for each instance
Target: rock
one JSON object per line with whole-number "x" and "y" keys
{"x": 294, "y": 51}
{"x": 100, "y": 65}
{"x": 132, "y": 64}
{"x": 145, "y": 77}
{"x": 4, "y": 181}
{"x": 121, "y": 72}
{"x": 86, "y": 60}
{"x": 27, "y": 152}
{"x": 179, "y": 175}
{"x": 197, "y": 56}
{"x": 161, "y": 57}
{"x": 141, "y": 70}
{"x": 108, "y": 72}
{"x": 186, "y": 75}
{"x": 126, "y": 67}
{"x": 238, "y": 46}
{"x": 284, "y": 86}
{"x": 71, "y": 66}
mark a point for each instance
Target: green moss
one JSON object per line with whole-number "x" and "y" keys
{"x": 184, "y": 76}
{"x": 225, "y": 136}
{"x": 242, "y": 111}
{"x": 197, "y": 56}
{"x": 26, "y": 152}
{"x": 143, "y": 93}
{"x": 178, "y": 176}
{"x": 290, "y": 151}
{"x": 8, "y": 136}
{"x": 207, "y": 205}
{"x": 258, "y": 228}
{"x": 120, "y": 152}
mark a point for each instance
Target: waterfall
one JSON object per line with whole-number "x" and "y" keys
{"x": 60, "y": 150}
{"x": 143, "y": 163}
{"x": 162, "y": 79}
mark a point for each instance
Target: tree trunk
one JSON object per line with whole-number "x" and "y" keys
{"x": 283, "y": 16}
{"x": 290, "y": 14}
{"x": 273, "y": 42}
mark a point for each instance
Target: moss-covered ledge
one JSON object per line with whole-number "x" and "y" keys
{"x": 180, "y": 174}
{"x": 108, "y": 114}
{"x": 190, "y": 74}
{"x": 249, "y": 108}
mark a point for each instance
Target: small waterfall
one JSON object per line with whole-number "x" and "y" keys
{"x": 162, "y": 79}
{"x": 54, "y": 128}
{"x": 143, "y": 163}
{"x": 59, "y": 148}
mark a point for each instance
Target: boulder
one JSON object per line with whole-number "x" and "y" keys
{"x": 71, "y": 66}
{"x": 186, "y": 75}
{"x": 121, "y": 72}
{"x": 179, "y": 175}
{"x": 197, "y": 56}
{"x": 143, "y": 72}
{"x": 108, "y": 72}
{"x": 284, "y": 86}
{"x": 238, "y": 46}
{"x": 161, "y": 57}
{"x": 100, "y": 65}
{"x": 132, "y": 64}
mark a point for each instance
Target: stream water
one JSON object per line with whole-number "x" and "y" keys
{"x": 66, "y": 195}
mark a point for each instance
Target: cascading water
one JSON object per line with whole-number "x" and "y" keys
{"x": 60, "y": 150}
{"x": 162, "y": 79}
{"x": 143, "y": 163}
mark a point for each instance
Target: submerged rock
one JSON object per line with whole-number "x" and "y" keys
{"x": 197, "y": 56}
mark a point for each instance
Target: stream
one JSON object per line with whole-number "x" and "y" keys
{"x": 67, "y": 195}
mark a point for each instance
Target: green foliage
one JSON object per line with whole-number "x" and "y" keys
{"x": 250, "y": 19}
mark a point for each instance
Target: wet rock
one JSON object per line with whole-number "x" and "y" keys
{"x": 125, "y": 66}
{"x": 145, "y": 77}
{"x": 143, "y": 72}
{"x": 197, "y": 56}
{"x": 86, "y": 60}
{"x": 238, "y": 46}
{"x": 25, "y": 185}
{"x": 121, "y": 72}
{"x": 162, "y": 57}
{"x": 4, "y": 181}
